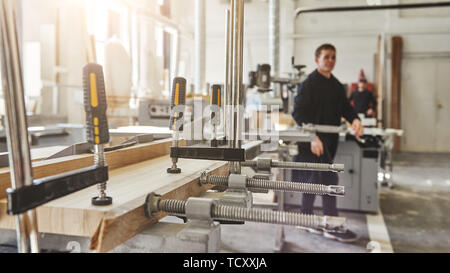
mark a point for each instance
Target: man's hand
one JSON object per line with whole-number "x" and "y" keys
{"x": 317, "y": 147}
{"x": 369, "y": 112}
{"x": 357, "y": 127}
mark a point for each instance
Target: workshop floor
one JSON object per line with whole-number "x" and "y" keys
{"x": 415, "y": 213}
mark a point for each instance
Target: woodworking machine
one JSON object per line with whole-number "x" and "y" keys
{"x": 263, "y": 80}
{"x": 368, "y": 162}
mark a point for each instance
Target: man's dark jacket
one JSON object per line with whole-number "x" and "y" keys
{"x": 363, "y": 101}
{"x": 321, "y": 101}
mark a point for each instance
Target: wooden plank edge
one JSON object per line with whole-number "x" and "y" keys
{"x": 114, "y": 159}
{"x": 128, "y": 220}
{"x": 64, "y": 215}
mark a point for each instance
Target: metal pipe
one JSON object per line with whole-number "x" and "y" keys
{"x": 199, "y": 34}
{"x": 230, "y": 74}
{"x": 237, "y": 76}
{"x": 377, "y": 7}
{"x": 227, "y": 76}
{"x": 16, "y": 124}
{"x": 236, "y": 85}
{"x": 274, "y": 41}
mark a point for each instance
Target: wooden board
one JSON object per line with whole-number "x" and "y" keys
{"x": 114, "y": 159}
{"x": 397, "y": 53}
{"x": 379, "y": 76}
{"x": 112, "y": 225}
{"x": 42, "y": 153}
{"x": 136, "y": 130}
{"x": 38, "y": 154}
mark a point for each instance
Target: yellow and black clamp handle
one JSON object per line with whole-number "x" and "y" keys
{"x": 178, "y": 105}
{"x": 96, "y": 121}
{"x": 216, "y": 103}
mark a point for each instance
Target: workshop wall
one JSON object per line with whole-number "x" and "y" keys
{"x": 39, "y": 24}
{"x": 183, "y": 13}
{"x": 425, "y": 33}
{"x": 426, "y": 36}
{"x": 39, "y": 20}
{"x": 256, "y": 37}
{"x": 63, "y": 55}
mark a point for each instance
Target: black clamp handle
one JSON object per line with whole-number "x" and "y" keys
{"x": 95, "y": 104}
{"x": 178, "y": 98}
{"x": 216, "y": 103}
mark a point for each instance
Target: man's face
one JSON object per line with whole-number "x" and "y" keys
{"x": 361, "y": 86}
{"x": 326, "y": 60}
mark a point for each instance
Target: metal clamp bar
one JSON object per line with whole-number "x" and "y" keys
{"x": 53, "y": 187}
{"x": 240, "y": 181}
{"x": 16, "y": 123}
{"x": 295, "y": 165}
{"x": 331, "y": 130}
{"x": 236, "y": 74}
{"x": 207, "y": 153}
{"x": 154, "y": 204}
{"x": 325, "y": 128}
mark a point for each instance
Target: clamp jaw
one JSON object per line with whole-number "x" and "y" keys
{"x": 176, "y": 124}
{"x": 50, "y": 188}
{"x": 216, "y": 103}
{"x": 237, "y": 192}
{"x": 96, "y": 122}
{"x": 178, "y": 105}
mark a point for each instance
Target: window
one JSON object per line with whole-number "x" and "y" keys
{"x": 106, "y": 20}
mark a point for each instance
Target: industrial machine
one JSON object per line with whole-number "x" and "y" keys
{"x": 154, "y": 112}
{"x": 360, "y": 177}
{"x": 263, "y": 81}
{"x": 157, "y": 112}
{"x": 366, "y": 160}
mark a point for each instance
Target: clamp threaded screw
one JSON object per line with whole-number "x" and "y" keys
{"x": 99, "y": 160}
{"x": 231, "y": 213}
{"x": 297, "y": 165}
{"x": 277, "y": 185}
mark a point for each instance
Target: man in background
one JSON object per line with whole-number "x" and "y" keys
{"x": 363, "y": 100}
{"x": 322, "y": 100}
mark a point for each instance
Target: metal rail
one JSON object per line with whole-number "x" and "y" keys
{"x": 366, "y": 8}
{"x": 236, "y": 47}
{"x": 16, "y": 124}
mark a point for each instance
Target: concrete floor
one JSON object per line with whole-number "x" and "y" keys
{"x": 261, "y": 238}
{"x": 415, "y": 213}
